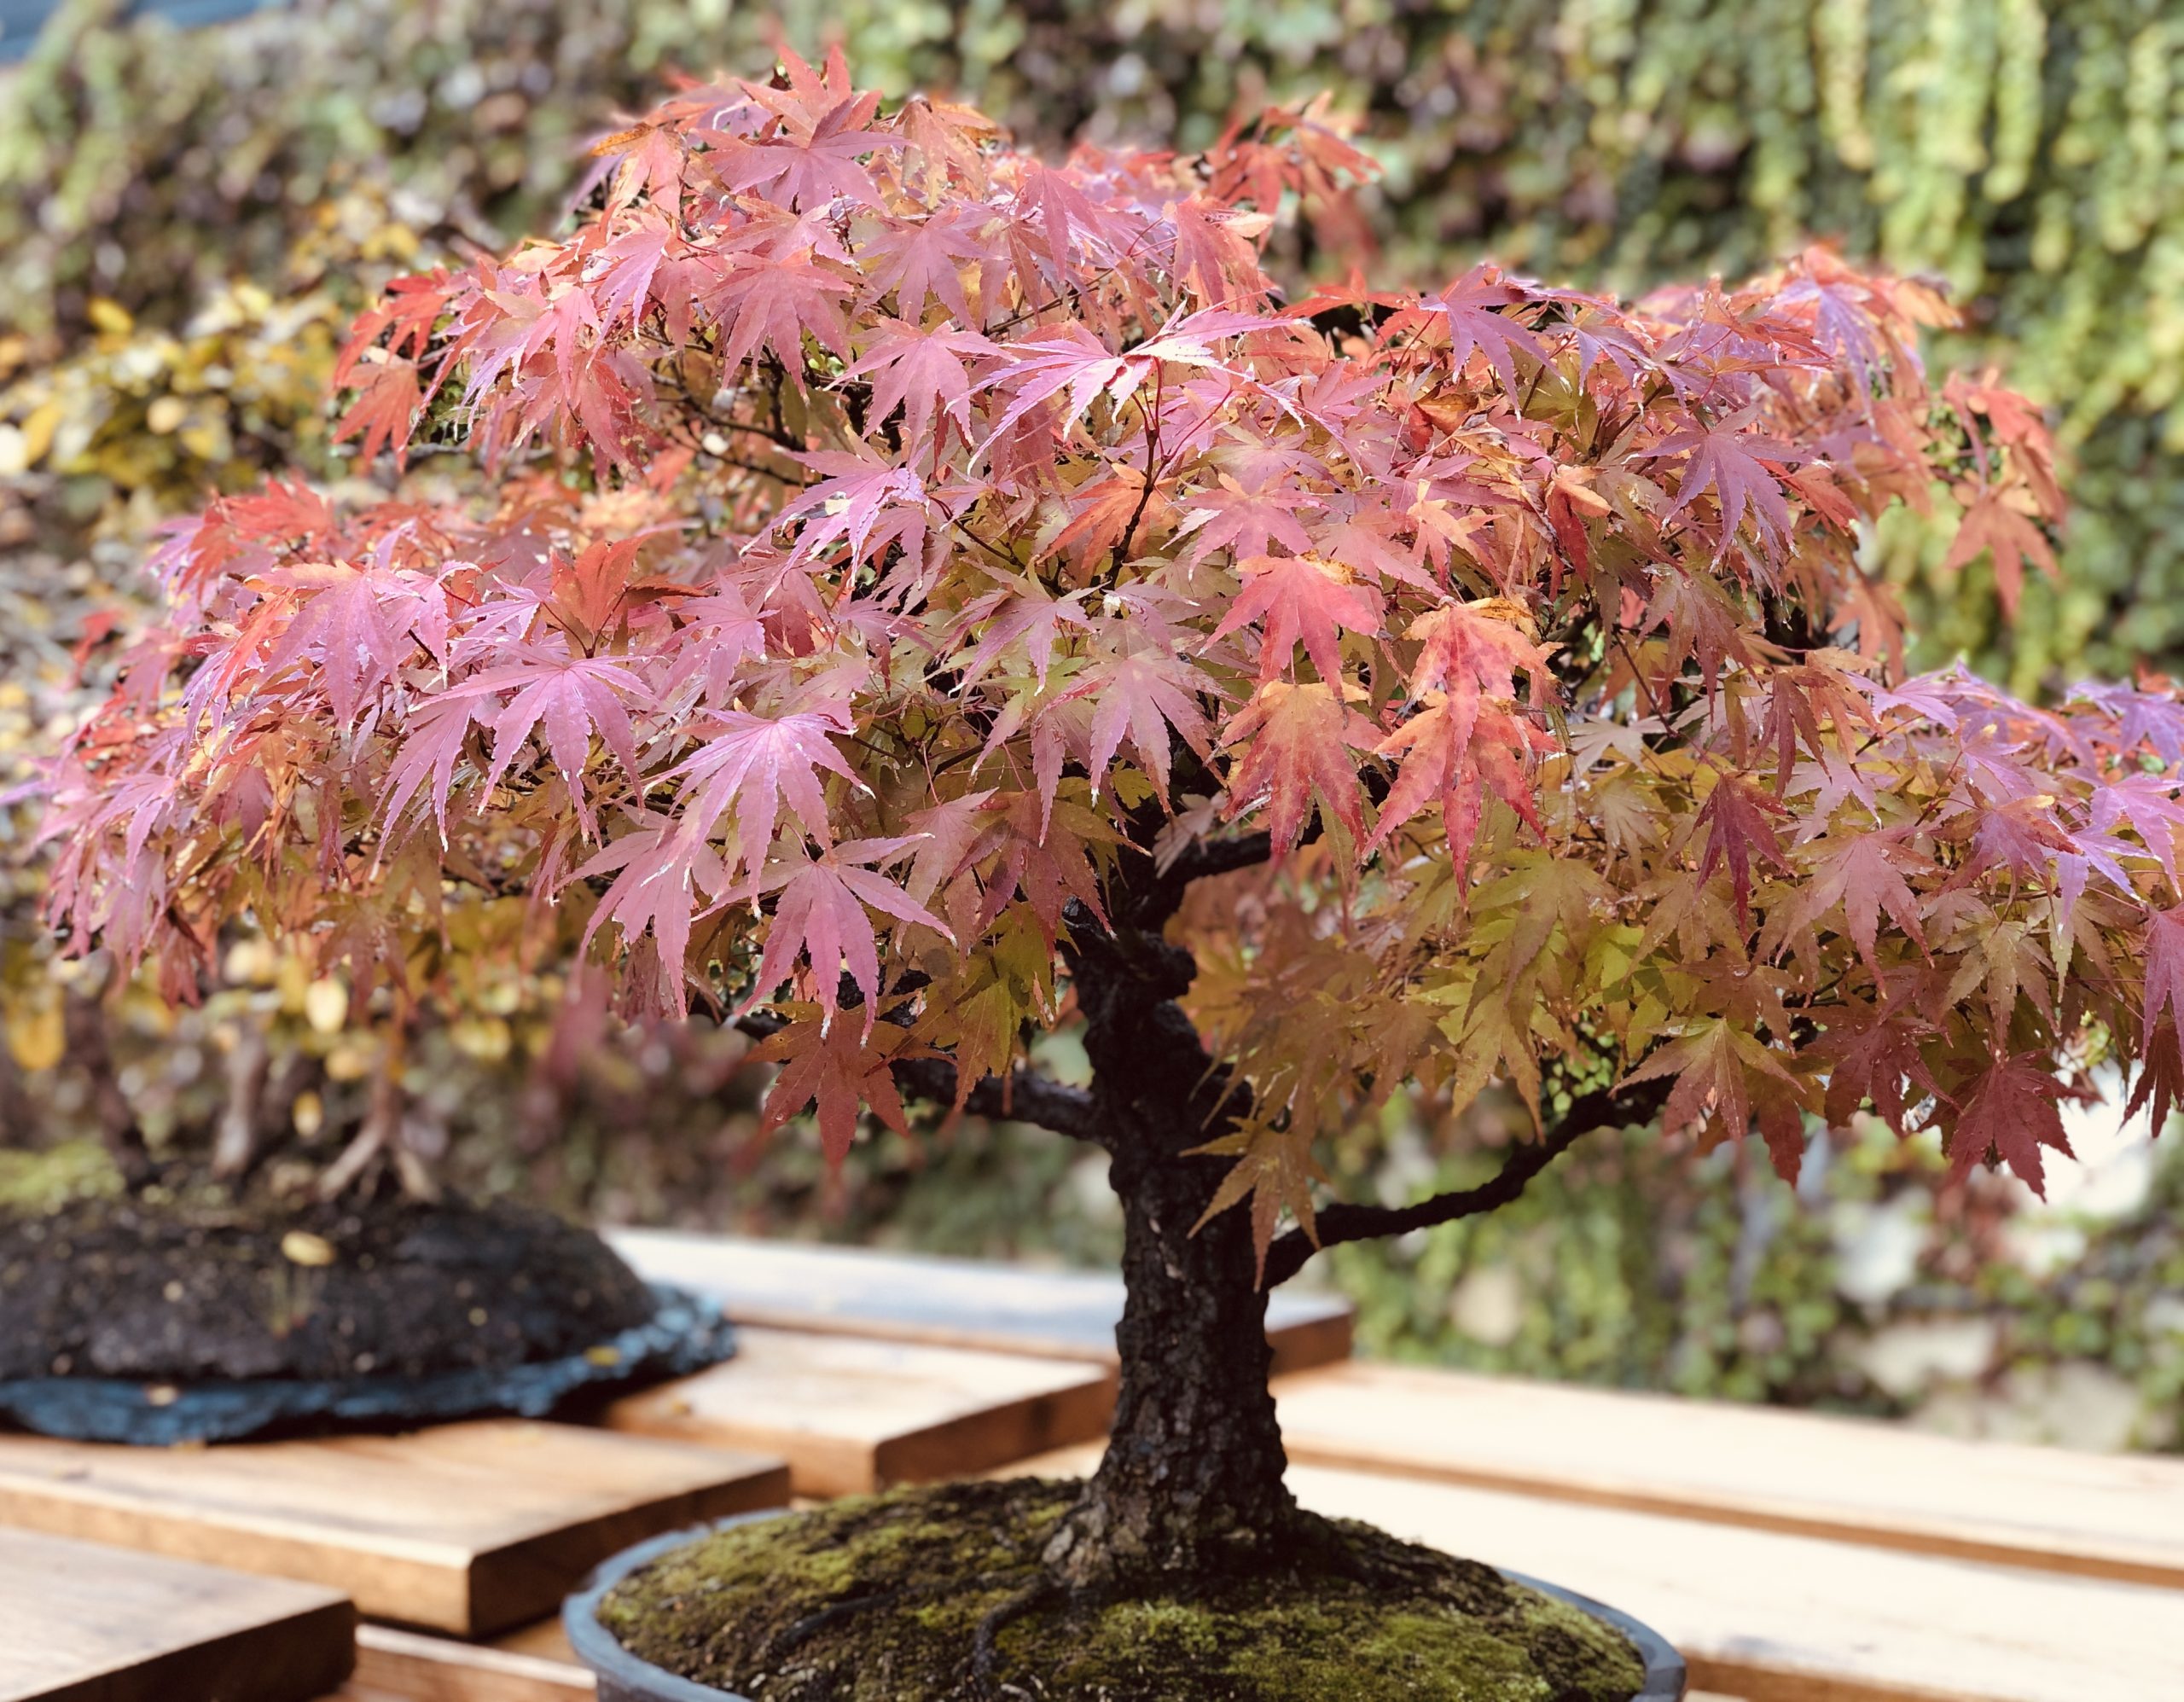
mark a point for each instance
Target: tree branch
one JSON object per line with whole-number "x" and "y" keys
{"x": 1026, "y": 1096}
{"x": 1601, "y": 1109}
{"x": 1155, "y": 894}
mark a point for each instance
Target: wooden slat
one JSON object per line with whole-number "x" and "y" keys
{"x": 419, "y": 1668}
{"x": 2101, "y": 1515}
{"x": 81, "y": 1623}
{"x": 468, "y": 1528}
{"x": 851, "y": 1414}
{"x": 945, "y": 1302}
{"x": 1785, "y": 1618}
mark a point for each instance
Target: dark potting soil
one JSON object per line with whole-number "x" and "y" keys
{"x": 880, "y": 1600}
{"x": 181, "y": 1281}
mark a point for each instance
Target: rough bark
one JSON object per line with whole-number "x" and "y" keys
{"x": 1193, "y": 1477}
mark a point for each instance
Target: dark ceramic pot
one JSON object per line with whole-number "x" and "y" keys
{"x": 624, "y": 1678}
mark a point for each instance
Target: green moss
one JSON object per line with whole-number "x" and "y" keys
{"x": 33, "y": 1184}
{"x": 877, "y": 1600}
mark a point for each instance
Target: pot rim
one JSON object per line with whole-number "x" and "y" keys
{"x": 597, "y": 1647}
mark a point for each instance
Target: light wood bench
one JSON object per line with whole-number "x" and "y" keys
{"x": 81, "y": 1623}
{"x": 394, "y": 1665}
{"x": 851, "y": 1414}
{"x": 2117, "y": 1516}
{"x": 942, "y": 1302}
{"x": 468, "y": 1528}
{"x": 1775, "y": 1617}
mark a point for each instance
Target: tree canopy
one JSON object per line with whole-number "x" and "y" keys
{"x": 896, "y": 533}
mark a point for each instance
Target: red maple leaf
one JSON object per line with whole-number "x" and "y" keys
{"x": 1739, "y": 822}
{"x": 819, "y": 914}
{"x": 385, "y": 411}
{"x": 2011, "y": 1107}
{"x": 1739, "y": 467}
{"x": 750, "y": 764}
{"x": 1992, "y": 523}
{"x": 1298, "y": 741}
{"x": 836, "y": 1069}
{"x": 917, "y": 370}
{"x": 811, "y": 169}
{"x": 1300, "y": 598}
{"x": 772, "y": 303}
{"x": 1468, "y": 308}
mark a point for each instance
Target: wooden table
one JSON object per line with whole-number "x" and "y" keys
{"x": 852, "y": 1414}
{"x": 2053, "y": 1509}
{"x": 81, "y": 1623}
{"x": 1775, "y": 1617}
{"x": 468, "y": 1528}
{"x": 942, "y": 1302}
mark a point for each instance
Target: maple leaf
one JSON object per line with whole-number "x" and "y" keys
{"x": 1142, "y": 696}
{"x": 662, "y": 871}
{"x": 1072, "y": 360}
{"x": 750, "y": 764}
{"x": 622, "y": 276}
{"x": 868, "y": 500}
{"x": 921, "y": 259}
{"x": 1275, "y": 1170}
{"x": 1739, "y": 468}
{"x": 820, "y": 914}
{"x": 384, "y": 412}
{"x": 1454, "y": 752}
{"x": 358, "y": 625}
{"x": 568, "y": 697}
{"x": 2011, "y": 1107}
{"x": 1871, "y": 1053}
{"x": 1300, "y": 598}
{"x": 2164, "y": 972}
{"x": 1245, "y": 522}
{"x": 1993, "y": 523}
{"x": 1298, "y": 742}
{"x": 812, "y": 170}
{"x": 1739, "y": 823}
{"x": 914, "y": 370}
{"x": 1716, "y": 1065}
{"x": 835, "y": 1069}
{"x": 1863, "y": 872}
{"x": 1468, "y": 308}
{"x": 772, "y": 304}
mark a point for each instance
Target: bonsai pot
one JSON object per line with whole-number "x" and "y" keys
{"x": 178, "y": 1312}
{"x": 625, "y": 1677}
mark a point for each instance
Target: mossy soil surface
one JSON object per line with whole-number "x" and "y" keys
{"x": 879, "y": 1599}
{"x": 181, "y": 1279}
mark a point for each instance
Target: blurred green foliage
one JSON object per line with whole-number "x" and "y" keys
{"x": 186, "y": 218}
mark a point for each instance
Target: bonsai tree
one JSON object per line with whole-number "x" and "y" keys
{"x": 935, "y": 596}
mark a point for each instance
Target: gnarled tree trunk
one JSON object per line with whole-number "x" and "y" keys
{"x": 1193, "y": 1476}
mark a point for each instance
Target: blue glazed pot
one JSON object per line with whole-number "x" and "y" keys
{"x": 624, "y": 1678}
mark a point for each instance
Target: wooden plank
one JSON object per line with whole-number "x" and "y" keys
{"x": 468, "y": 1528}
{"x": 81, "y": 1623}
{"x": 852, "y": 1414}
{"x": 417, "y": 1667}
{"x": 1775, "y": 1617}
{"x": 942, "y": 1302}
{"x": 2114, "y": 1516}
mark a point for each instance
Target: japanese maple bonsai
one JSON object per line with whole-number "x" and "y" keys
{"x": 936, "y": 596}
